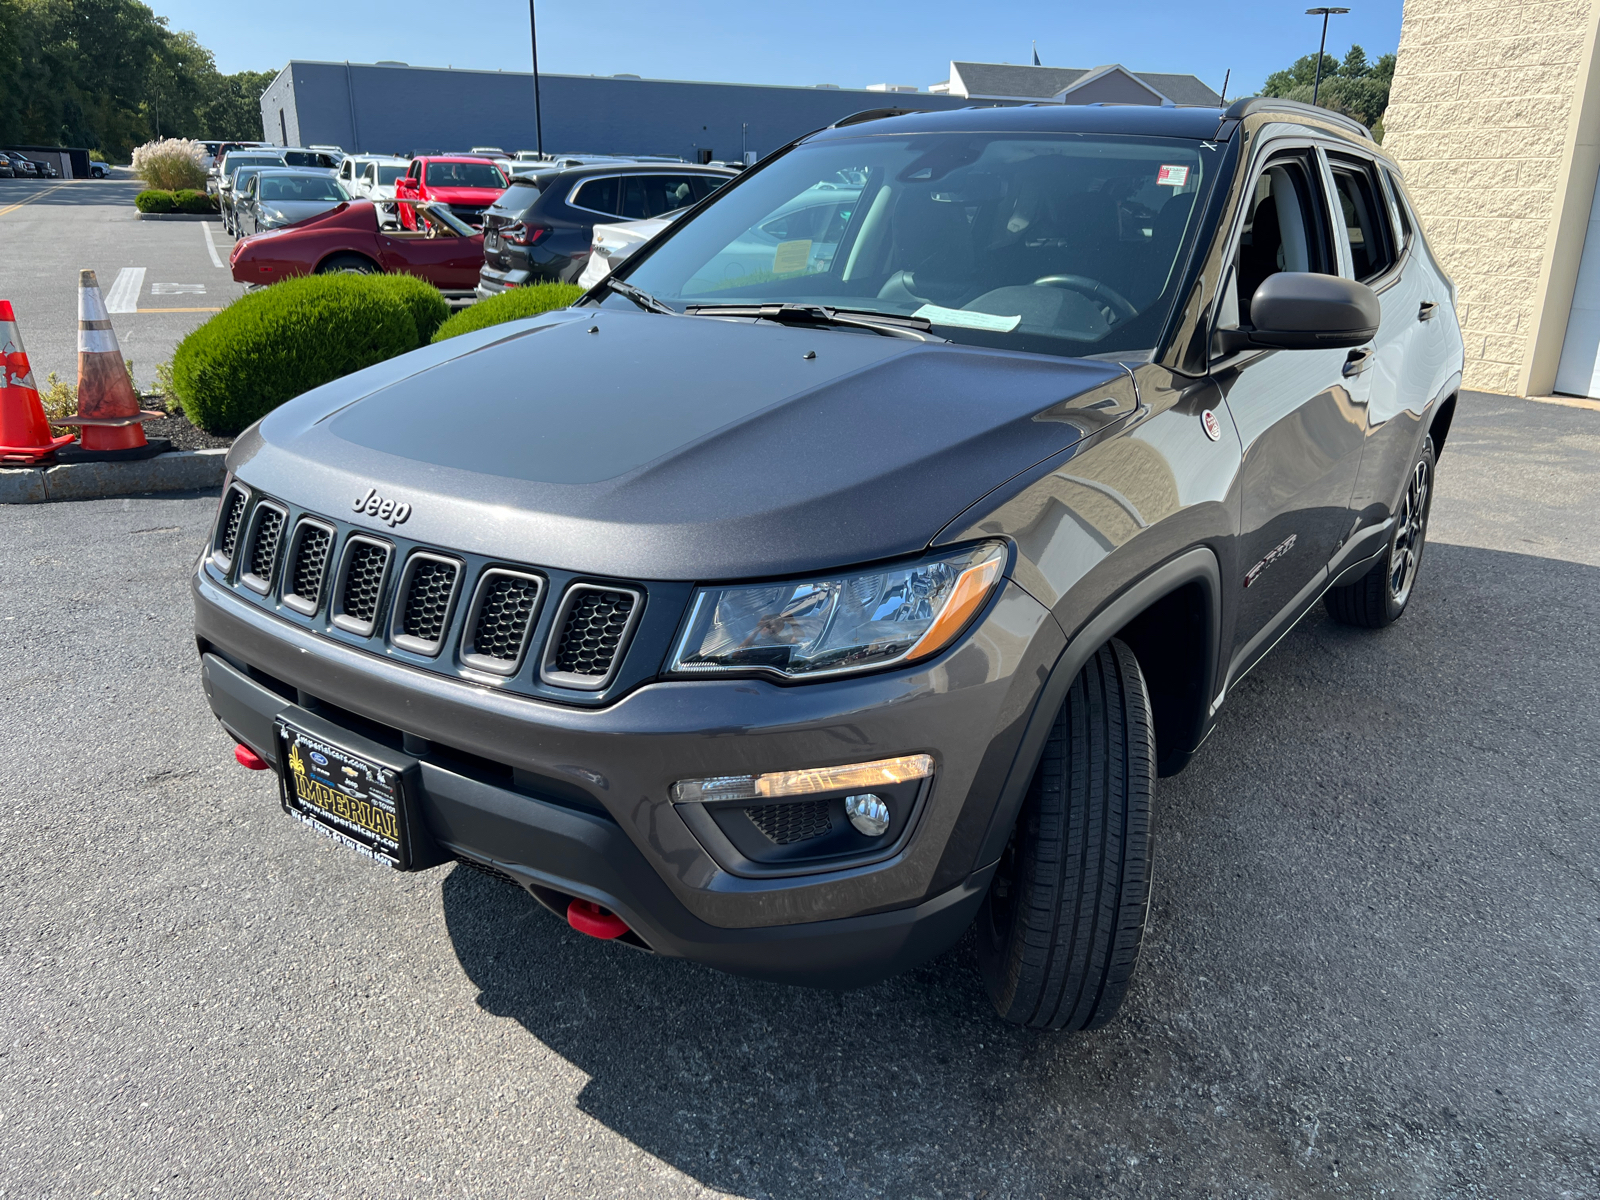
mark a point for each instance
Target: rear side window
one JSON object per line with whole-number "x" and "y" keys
{"x": 651, "y": 195}
{"x": 1401, "y": 211}
{"x": 597, "y": 195}
{"x": 704, "y": 185}
{"x": 1365, "y": 217}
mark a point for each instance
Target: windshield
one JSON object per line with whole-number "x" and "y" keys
{"x": 1062, "y": 244}
{"x": 464, "y": 174}
{"x": 233, "y": 162}
{"x": 290, "y": 188}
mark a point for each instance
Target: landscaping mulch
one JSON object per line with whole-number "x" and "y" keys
{"x": 177, "y": 427}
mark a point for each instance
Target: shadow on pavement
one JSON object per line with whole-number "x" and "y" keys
{"x": 1372, "y": 932}
{"x": 69, "y": 192}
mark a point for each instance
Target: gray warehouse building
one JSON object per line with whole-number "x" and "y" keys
{"x": 394, "y": 108}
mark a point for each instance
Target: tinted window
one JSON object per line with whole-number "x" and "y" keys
{"x": 652, "y": 195}
{"x": 1056, "y": 243}
{"x": 1365, "y": 218}
{"x": 301, "y": 187}
{"x": 597, "y": 195}
{"x": 704, "y": 185}
{"x": 464, "y": 174}
{"x": 387, "y": 175}
{"x": 1283, "y": 230}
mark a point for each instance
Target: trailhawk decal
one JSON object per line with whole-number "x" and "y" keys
{"x": 1273, "y": 556}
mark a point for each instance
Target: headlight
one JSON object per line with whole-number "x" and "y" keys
{"x": 830, "y": 626}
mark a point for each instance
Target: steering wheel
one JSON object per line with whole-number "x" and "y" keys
{"x": 1093, "y": 289}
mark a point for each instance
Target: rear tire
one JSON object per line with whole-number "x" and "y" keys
{"x": 348, "y": 264}
{"x": 1060, "y": 929}
{"x": 1381, "y": 595}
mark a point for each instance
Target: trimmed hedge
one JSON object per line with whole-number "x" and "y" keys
{"x": 154, "y": 200}
{"x": 509, "y": 306}
{"x": 272, "y": 345}
{"x": 428, "y": 308}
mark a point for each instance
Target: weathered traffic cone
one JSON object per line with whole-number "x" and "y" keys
{"x": 108, "y": 411}
{"x": 24, "y": 432}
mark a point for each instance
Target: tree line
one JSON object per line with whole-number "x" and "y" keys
{"x": 109, "y": 75}
{"x": 1352, "y": 86}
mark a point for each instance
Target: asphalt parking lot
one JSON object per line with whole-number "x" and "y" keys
{"x": 160, "y": 278}
{"x": 1372, "y": 969}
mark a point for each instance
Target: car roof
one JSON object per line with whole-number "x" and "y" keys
{"x": 1199, "y": 123}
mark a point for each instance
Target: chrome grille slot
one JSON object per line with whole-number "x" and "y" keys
{"x": 261, "y": 557}
{"x": 425, "y": 597}
{"x": 359, "y": 592}
{"x": 785, "y": 824}
{"x": 589, "y": 635}
{"x": 309, "y": 551}
{"x": 501, "y": 620}
{"x": 228, "y": 522}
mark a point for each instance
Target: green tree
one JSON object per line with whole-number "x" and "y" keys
{"x": 1355, "y": 87}
{"x": 109, "y": 74}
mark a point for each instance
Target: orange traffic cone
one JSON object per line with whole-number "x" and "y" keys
{"x": 108, "y": 411}
{"x": 24, "y": 432}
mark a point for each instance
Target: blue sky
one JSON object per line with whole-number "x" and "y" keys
{"x": 793, "y": 43}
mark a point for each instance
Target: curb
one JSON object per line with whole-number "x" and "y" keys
{"x": 178, "y": 471}
{"x": 144, "y": 216}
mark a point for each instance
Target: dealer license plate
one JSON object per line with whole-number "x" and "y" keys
{"x": 354, "y": 801}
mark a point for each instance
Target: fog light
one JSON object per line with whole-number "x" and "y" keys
{"x": 867, "y": 813}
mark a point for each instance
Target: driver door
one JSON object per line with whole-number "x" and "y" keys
{"x": 1300, "y": 414}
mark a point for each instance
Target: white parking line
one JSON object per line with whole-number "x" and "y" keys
{"x": 124, "y": 294}
{"x": 211, "y": 247}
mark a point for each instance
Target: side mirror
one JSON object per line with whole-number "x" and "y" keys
{"x": 1302, "y": 310}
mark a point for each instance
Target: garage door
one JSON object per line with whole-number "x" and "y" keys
{"x": 1579, "y": 372}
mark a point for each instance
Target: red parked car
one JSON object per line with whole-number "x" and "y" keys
{"x": 467, "y": 184}
{"x": 444, "y": 250}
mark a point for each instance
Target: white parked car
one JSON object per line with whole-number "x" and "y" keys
{"x": 613, "y": 243}
{"x": 371, "y": 177}
{"x": 799, "y": 238}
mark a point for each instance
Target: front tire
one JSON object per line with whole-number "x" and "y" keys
{"x": 348, "y": 264}
{"x": 1060, "y": 929}
{"x": 1381, "y": 595}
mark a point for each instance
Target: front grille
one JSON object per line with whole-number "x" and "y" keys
{"x": 501, "y": 620}
{"x": 786, "y": 824}
{"x": 366, "y": 564}
{"x": 428, "y": 592}
{"x": 593, "y": 625}
{"x": 265, "y": 537}
{"x": 308, "y": 565}
{"x": 232, "y": 516}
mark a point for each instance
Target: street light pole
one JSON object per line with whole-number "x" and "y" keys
{"x": 538, "y": 109}
{"x": 1324, "y": 13}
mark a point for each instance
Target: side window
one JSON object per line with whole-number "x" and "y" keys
{"x": 597, "y": 195}
{"x": 637, "y": 195}
{"x": 1285, "y": 229}
{"x": 1365, "y": 218}
{"x": 346, "y": 170}
{"x": 704, "y": 185}
{"x": 677, "y": 192}
{"x": 1400, "y": 209}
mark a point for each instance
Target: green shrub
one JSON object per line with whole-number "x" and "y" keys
{"x": 192, "y": 201}
{"x": 428, "y": 308}
{"x": 154, "y": 200}
{"x": 509, "y": 306}
{"x": 272, "y": 345}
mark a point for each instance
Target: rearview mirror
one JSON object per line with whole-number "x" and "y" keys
{"x": 1302, "y": 310}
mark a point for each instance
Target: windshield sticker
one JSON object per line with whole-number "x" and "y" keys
{"x": 791, "y": 256}
{"x": 960, "y": 318}
{"x": 1172, "y": 176}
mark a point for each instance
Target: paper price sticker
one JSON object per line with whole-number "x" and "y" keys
{"x": 1170, "y": 176}
{"x": 790, "y": 257}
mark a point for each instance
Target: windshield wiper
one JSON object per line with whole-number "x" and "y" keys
{"x": 916, "y": 328}
{"x": 638, "y": 295}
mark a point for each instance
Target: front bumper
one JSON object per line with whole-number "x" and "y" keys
{"x": 581, "y": 806}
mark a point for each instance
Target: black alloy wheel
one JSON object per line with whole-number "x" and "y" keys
{"x": 1060, "y": 929}
{"x": 1381, "y": 595}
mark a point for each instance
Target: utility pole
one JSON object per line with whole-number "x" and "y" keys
{"x": 538, "y": 109}
{"x": 1324, "y": 13}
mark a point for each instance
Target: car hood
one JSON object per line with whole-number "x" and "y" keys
{"x": 643, "y": 446}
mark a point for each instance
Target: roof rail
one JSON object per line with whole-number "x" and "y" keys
{"x": 1250, "y": 105}
{"x": 872, "y": 114}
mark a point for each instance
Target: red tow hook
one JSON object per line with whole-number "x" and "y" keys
{"x": 247, "y": 757}
{"x": 588, "y": 917}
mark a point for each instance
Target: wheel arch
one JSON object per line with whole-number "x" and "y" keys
{"x": 346, "y": 252}
{"x": 1175, "y": 610}
{"x": 1439, "y": 427}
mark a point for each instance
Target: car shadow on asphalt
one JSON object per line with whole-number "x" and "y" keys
{"x": 72, "y": 193}
{"x": 1312, "y": 941}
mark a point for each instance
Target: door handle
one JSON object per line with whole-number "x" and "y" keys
{"x": 1425, "y": 313}
{"x": 1357, "y": 362}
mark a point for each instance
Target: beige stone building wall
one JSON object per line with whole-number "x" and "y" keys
{"x": 1491, "y": 118}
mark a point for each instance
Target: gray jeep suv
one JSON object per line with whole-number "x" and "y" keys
{"x": 831, "y": 584}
